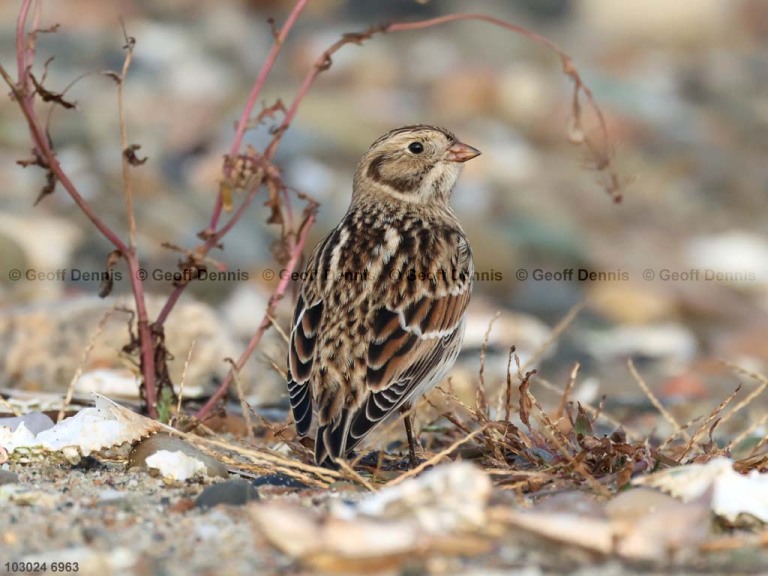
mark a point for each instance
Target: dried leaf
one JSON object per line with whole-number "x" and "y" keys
{"x": 133, "y": 159}
{"x": 49, "y": 96}
{"x": 108, "y": 281}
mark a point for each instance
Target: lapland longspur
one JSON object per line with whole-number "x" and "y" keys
{"x": 380, "y": 316}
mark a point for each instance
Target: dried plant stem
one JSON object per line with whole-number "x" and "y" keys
{"x": 126, "y": 166}
{"x": 184, "y": 376}
{"x": 253, "y": 98}
{"x": 354, "y": 475}
{"x": 265, "y": 323}
{"x": 436, "y": 458}
{"x": 146, "y": 337}
{"x": 749, "y": 397}
{"x": 567, "y": 392}
{"x": 265, "y": 457}
{"x": 480, "y": 399}
{"x": 244, "y": 406}
{"x": 756, "y": 425}
{"x": 83, "y": 361}
{"x": 557, "y": 331}
{"x": 676, "y": 427}
{"x": 714, "y": 415}
{"x": 24, "y": 95}
{"x": 10, "y": 407}
{"x": 591, "y": 410}
{"x": 507, "y": 396}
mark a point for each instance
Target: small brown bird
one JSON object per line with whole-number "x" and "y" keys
{"x": 380, "y": 316}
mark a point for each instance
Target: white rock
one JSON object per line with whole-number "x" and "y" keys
{"x": 661, "y": 342}
{"x": 741, "y": 257}
{"x": 175, "y": 465}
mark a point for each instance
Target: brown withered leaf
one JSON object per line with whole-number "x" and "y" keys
{"x": 582, "y": 425}
{"x": 108, "y": 280}
{"x": 133, "y": 159}
{"x": 526, "y": 404}
{"x": 280, "y": 250}
{"x": 50, "y": 186}
{"x": 114, "y": 75}
{"x": 49, "y": 96}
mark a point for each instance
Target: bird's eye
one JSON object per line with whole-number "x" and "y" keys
{"x": 416, "y": 147}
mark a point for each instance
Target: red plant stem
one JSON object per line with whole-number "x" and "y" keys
{"x": 240, "y": 129}
{"x": 266, "y": 320}
{"x": 21, "y": 52}
{"x": 25, "y": 98}
{"x": 211, "y": 241}
{"x": 253, "y": 97}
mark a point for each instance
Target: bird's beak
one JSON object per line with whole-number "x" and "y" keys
{"x": 460, "y": 152}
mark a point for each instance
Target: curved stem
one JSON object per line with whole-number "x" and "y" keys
{"x": 253, "y": 97}
{"x": 266, "y": 320}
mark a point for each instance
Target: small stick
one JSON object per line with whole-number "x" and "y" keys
{"x": 83, "y": 362}
{"x": 184, "y": 376}
{"x": 715, "y": 413}
{"x": 480, "y": 399}
{"x": 655, "y": 401}
{"x": 436, "y": 458}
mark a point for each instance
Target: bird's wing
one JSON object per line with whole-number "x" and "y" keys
{"x": 411, "y": 343}
{"x": 301, "y": 348}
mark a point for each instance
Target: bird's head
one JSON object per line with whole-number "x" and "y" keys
{"x": 417, "y": 164}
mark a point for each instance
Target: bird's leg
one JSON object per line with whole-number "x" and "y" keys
{"x": 405, "y": 409}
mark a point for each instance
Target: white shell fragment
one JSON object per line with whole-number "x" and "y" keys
{"x": 443, "y": 508}
{"x": 175, "y": 466}
{"x": 104, "y": 426}
{"x": 443, "y": 500}
{"x": 733, "y": 494}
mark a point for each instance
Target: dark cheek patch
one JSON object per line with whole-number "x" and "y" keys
{"x": 401, "y": 183}
{"x": 374, "y": 168}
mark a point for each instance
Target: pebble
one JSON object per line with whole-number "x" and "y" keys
{"x": 163, "y": 442}
{"x": 34, "y": 422}
{"x": 231, "y": 493}
{"x": 8, "y": 477}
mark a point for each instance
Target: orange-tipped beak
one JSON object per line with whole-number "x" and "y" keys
{"x": 460, "y": 152}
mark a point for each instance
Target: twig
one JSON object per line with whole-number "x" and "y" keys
{"x": 480, "y": 399}
{"x": 677, "y": 429}
{"x": 244, "y": 406}
{"x": 591, "y": 410}
{"x": 567, "y": 392}
{"x": 279, "y": 330}
{"x": 130, "y": 43}
{"x": 557, "y": 331}
{"x": 355, "y": 475}
{"x": 83, "y": 361}
{"x": 715, "y": 413}
{"x": 10, "y": 407}
{"x": 184, "y": 376}
{"x": 265, "y": 323}
{"x": 759, "y": 423}
{"x": 253, "y": 98}
{"x": 436, "y": 458}
{"x": 749, "y": 397}
{"x": 508, "y": 388}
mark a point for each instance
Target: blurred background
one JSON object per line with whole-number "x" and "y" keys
{"x": 683, "y": 85}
